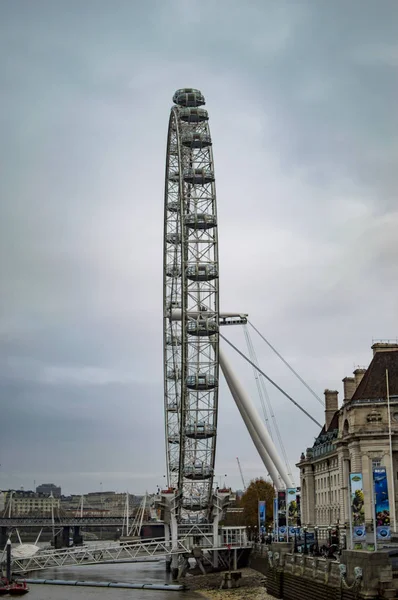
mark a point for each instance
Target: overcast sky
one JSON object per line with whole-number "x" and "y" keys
{"x": 302, "y": 101}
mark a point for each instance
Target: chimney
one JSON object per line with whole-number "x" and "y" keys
{"x": 384, "y": 347}
{"x": 331, "y": 406}
{"x": 358, "y": 374}
{"x": 349, "y": 388}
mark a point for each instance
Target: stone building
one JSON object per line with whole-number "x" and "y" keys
{"x": 355, "y": 438}
{"x": 49, "y": 488}
{"x": 27, "y": 503}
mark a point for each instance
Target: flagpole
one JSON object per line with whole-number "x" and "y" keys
{"x": 350, "y": 509}
{"x": 391, "y": 455}
{"x": 374, "y": 514}
{"x": 287, "y": 514}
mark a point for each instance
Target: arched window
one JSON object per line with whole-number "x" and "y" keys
{"x": 346, "y": 427}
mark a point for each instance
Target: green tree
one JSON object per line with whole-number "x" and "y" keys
{"x": 259, "y": 489}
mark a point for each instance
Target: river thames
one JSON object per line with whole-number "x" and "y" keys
{"x": 143, "y": 572}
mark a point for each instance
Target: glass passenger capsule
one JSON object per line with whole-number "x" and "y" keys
{"x": 194, "y": 503}
{"x": 192, "y": 139}
{"x": 200, "y": 431}
{"x": 198, "y": 176}
{"x": 193, "y": 115}
{"x": 200, "y": 221}
{"x": 202, "y": 327}
{"x": 188, "y": 97}
{"x": 202, "y": 272}
{"x": 198, "y": 472}
{"x": 201, "y": 382}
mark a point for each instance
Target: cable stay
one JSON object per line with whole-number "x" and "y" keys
{"x": 260, "y": 393}
{"x": 288, "y": 365}
{"x": 271, "y": 381}
{"x": 264, "y": 393}
{"x": 257, "y": 378}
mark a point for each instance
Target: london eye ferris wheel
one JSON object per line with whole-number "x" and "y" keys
{"x": 191, "y": 307}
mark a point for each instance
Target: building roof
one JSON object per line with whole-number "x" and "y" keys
{"x": 373, "y": 384}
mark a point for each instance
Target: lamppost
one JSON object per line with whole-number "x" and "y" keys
{"x": 338, "y": 534}
{"x": 305, "y": 551}
{"x": 269, "y": 533}
{"x": 295, "y": 540}
{"x": 330, "y": 535}
{"x": 344, "y": 541}
{"x": 316, "y": 549}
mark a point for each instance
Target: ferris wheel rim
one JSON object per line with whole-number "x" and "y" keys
{"x": 166, "y": 316}
{"x": 194, "y": 279}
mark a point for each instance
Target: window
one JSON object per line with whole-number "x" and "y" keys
{"x": 376, "y": 463}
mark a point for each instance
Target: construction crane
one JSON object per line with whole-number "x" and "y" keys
{"x": 241, "y": 474}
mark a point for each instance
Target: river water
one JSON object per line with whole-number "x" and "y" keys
{"x": 143, "y": 572}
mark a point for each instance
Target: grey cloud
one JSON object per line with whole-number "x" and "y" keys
{"x": 301, "y": 99}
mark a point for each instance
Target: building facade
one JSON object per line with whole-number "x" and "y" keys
{"x": 354, "y": 439}
{"x": 100, "y": 503}
{"x": 49, "y": 488}
{"x": 28, "y": 503}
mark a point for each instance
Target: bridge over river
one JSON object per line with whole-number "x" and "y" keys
{"x": 39, "y": 521}
{"x": 191, "y": 543}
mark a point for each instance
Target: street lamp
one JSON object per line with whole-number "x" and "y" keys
{"x": 344, "y": 541}
{"x": 295, "y": 540}
{"x": 305, "y": 551}
{"x": 316, "y": 549}
{"x": 330, "y": 535}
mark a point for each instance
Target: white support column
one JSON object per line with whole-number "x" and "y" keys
{"x": 255, "y": 425}
{"x": 269, "y": 465}
{"x": 174, "y": 541}
{"x": 168, "y": 502}
{"x": 167, "y": 540}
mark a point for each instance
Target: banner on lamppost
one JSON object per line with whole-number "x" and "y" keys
{"x": 282, "y": 513}
{"x": 261, "y": 516}
{"x": 291, "y": 506}
{"x": 275, "y": 518}
{"x": 381, "y": 503}
{"x": 357, "y": 507}
{"x": 291, "y": 510}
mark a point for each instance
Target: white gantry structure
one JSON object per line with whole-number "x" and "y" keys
{"x": 192, "y": 318}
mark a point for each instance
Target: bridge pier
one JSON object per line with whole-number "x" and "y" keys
{"x": 3, "y": 537}
{"x": 167, "y": 539}
{"x": 65, "y": 536}
{"x": 77, "y": 537}
{"x": 62, "y": 540}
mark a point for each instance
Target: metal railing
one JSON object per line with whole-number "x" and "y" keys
{"x": 108, "y": 553}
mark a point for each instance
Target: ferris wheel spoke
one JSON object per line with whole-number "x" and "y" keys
{"x": 190, "y": 286}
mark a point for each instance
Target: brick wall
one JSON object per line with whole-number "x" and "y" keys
{"x": 292, "y": 587}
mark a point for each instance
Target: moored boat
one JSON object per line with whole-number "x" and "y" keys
{"x": 18, "y": 588}
{"x": 3, "y": 586}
